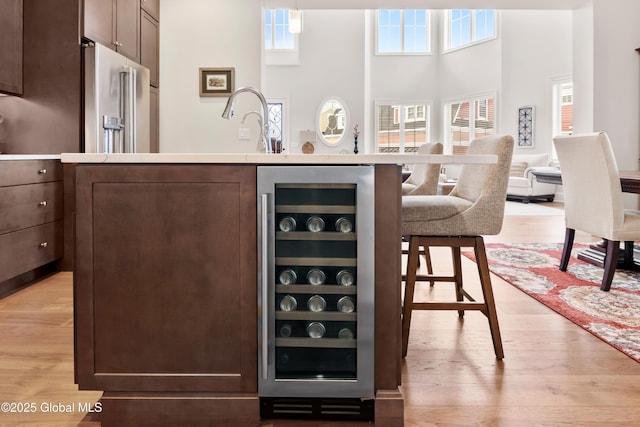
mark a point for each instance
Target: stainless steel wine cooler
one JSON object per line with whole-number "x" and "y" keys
{"x": 316, "y": 281}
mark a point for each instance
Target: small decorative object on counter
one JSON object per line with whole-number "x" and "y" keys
{"x": 315, "y": 276}
{"x": 315, "y": 224}
{"x": 288, "y": 277}
{"x": 288, "y": 303}
{"x": 356, "y": 133}
{"x": 287, "y": 224}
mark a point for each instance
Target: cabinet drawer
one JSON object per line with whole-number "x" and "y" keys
{"x": 16, "y": 172}
{"x": 27, "y": 249}
{"x": 23, "y": 206}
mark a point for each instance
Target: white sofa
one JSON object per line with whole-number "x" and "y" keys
{"x": 523, "y": 185}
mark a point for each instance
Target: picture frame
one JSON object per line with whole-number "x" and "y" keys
{"x": 217, "y": 81}
{"x": 526, "y": 123}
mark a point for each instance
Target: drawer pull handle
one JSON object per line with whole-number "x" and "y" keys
{"x": 43, "y": 203}
{"x": 44, "y": 245}
{"x": 42, "y": 171}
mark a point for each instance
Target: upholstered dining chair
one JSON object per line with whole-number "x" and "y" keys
{"x": 424, "y": 177}
{"x": 593, "y": 199}
{"x": 474, "y": 208}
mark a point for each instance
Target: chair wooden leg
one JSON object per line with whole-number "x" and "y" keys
{"x": 487, "y": 291}
{"x": 566, "y": 249}
{"x": 456, "y": 257}
{"x": 427, "y": 257}
{"x": 628, "y": 255}
{"x": 409, "y": 287}
{"x": 610, "y": 264}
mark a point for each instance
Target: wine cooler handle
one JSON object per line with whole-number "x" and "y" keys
{"x": 264, "y": 288}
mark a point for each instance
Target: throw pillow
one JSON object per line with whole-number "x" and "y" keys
{"x": 518, "y": 168}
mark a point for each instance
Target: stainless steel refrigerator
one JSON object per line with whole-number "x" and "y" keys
{"x": 116, "y": 102}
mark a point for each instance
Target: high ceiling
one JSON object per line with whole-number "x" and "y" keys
{"x": 426, "y": 4}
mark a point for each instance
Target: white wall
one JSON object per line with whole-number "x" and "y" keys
{"x": 536, "y": 50}
{"x": 204, "y": 33}
{"x": 332, "y": 64}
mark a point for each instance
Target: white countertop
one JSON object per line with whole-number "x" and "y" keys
{"x": 29, "y": 157}
{"x": 256, "y": 158}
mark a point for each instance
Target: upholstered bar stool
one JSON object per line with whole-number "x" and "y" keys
{"x": 475, "y": 207}
{"x": 424, "y": 180}
{"x": 424, "y": 177}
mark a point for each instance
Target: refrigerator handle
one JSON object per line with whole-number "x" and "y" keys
{"x": 128, "y": 106}
{"x": 263, "y": 281}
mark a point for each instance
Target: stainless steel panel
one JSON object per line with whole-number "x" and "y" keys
{"x": 362, "y": 385}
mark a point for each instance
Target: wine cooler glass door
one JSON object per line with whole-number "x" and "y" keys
{"x": 316, "y": 280}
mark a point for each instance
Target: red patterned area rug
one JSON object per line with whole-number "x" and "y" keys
{"x": 612, "y": 316}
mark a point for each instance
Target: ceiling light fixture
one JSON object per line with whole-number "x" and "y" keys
{"x": 295, "y": 21}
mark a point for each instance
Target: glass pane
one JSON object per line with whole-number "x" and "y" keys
{"x": 484, "y": 121}
{"x": 283, "y": 38}
{"x": 268, "y": 29}
{"x": 485, "y": 24}
{"x": 388, "y": 129}
{"x": 415, "y": 30}
{"x": 460, "y": 27}
{"x": 459, "y": 126}
{"x": 389, "y": 35}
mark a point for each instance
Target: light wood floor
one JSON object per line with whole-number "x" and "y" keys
{"x": 554, "y": 373}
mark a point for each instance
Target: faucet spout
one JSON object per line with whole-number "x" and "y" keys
{"x": 228, "y": 111}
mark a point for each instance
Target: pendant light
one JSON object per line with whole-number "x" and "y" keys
{"x": 295, "y": 21}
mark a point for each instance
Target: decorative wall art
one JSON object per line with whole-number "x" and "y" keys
{"x": 526, "y": 126}
{"x": 217, "y": 81}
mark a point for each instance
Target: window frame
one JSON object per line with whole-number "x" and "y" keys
{"x": 279, "y": 56}
{"x": 471, "y": 99}
{"x": 447, "y": 29}
{"x": 428, "y": 25}
{"x": 400, "y": 111}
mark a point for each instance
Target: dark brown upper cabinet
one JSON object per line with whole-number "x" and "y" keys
{"x": 152, "y": 7}
{"x": 150, "y": 47}
{"x": 11, "y": 39}
{"x": 115, "y": 24}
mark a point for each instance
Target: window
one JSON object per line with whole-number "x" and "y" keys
{"x": 468, "y": 26}
{"x": 468, "y": 119}
{"x": 276, "y": 30}
{"x": 403, "y": 31}
{"x": 562, "y": 109}
{"x": 401, "y": 127}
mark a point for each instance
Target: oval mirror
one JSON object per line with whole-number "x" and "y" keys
{"x": 333, "y": 120}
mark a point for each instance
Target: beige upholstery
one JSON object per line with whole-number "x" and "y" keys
{"x": 593, "y": 198}
{"x": 475, "y": 207}
{"x": 424, "y": 177}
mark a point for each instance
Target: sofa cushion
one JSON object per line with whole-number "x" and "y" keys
{"x": 519, "y": 182}
{"x": 518, "y": 168}
{"x": 533, "y": 160}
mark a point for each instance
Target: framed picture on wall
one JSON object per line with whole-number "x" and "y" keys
{"x": 526, "y": 118}
{"x": 217, "y": 81}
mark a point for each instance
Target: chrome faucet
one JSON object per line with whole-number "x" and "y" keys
{"x": 228, "y": 112}
{"x": 262, "y": 146}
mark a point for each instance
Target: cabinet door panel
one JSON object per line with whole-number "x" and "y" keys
{"x": 99, "y": 23}
{"x": 128, "y": 28}
{"x": 152, "y": 7}
{"x": 149, "y": 48}
{"x": 11, "y": 46}
{"x": 166, "y": 273}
